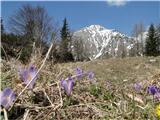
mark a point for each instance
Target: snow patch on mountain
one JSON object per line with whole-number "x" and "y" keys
{"x": 100, "y": 42}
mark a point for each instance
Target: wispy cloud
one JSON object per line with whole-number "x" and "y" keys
{"x": 116, "y": 2}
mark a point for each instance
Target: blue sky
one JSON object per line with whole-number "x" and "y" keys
{"x": 112, "y": 15}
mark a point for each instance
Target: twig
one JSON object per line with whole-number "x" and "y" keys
{"x": 140, "y": 107}
{"x": 48, "y": 97}
{"x": 25, "y": 115}
{"x": 4, "y": 53}
{"x": 33, "y": 47}
{"x": 52, "y": 109}
{"x": 33, "y": 77}
{"x": 85, "y": 104}
{"x": 5, "y": 114}
{"x": 38, "y": 116}
{"x": 59, "y": 105}
{"x": 60, "y": 94}
{"x": 33, "y": 107}
{"x": 19, "y": 54}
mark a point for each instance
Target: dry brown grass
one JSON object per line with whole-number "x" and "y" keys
{"x": 48, "y": 101}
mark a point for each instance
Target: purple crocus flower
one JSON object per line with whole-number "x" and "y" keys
{"x": 90, "y": 75}
{"x": 152, "y": 89}
{"x": 27, "y": 75}
{"x": 68, "y": 85}
{"x": 7, "y": 97}
{"x": 79, "y": 73}
{"x": 137, "y": 86}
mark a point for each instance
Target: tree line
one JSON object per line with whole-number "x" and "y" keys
{"x": 149, "y": 46}
{"x": 32, "y": 27}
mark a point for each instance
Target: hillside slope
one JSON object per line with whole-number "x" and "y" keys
{"x": 131, "y": 69}
{"x": 109, "y": 95}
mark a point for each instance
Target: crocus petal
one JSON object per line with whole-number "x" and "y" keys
{"x": 79, "y": 71}
{"x": 70, "y": 79}
{"x": 12, "y": 96}
{"x": 152, "y": 89}
{"x": 64, "y": 85}
{"x": 32, "y": 74}
{"x": 79, "y": 74}
{"x": 7, "y": 97}
{"x": 137, "y": 86}
{"x": 31, "y": 68}
{"x": 7, "y": 91}
{"x": 90, "y": 75}
{"x": 10, "y": 100}
{"x": 28, "y": 75}
{"x": 70, "y": 86}
{"x": 25, "y": 77}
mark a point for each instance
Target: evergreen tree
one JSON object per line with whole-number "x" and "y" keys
{"x": 151, "y": 43}
{"x": 64, "y": 36}
{"x": 2, "y": 27}
{"x": 157, "y": 38}
{"x": 65, "y": 50}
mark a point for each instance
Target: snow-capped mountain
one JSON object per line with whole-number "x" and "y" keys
{"x": 99, "y": 42}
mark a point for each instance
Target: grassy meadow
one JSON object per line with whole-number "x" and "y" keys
{"x": 108, "y": 96}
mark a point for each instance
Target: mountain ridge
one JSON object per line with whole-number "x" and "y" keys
{"x": 100, "y": 42}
